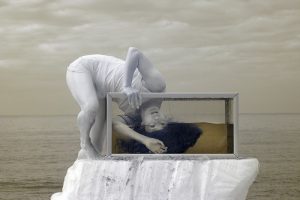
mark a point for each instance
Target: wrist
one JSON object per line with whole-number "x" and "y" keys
{"x": 141, "y": 138}
{"x": 145, "y": 140}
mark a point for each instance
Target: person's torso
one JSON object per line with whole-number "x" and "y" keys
{"x": 108, "y": 74}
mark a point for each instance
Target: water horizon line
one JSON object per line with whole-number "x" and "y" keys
{"x": 69, "y": 115}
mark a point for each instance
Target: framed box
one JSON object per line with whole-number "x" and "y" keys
{"x": 214, "y": 114}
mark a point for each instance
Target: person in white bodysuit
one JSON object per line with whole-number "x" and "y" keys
{"x": 91, "y": 77}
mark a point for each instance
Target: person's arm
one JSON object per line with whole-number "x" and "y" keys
{"x": 125, "y": 133}
{"x": 152, "y": 77}
{"x": 131, "y": 63}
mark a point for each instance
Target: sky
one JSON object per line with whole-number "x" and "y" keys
{"x": 246, "y": 46}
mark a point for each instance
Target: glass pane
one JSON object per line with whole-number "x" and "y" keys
{"x": 183, "y": 125}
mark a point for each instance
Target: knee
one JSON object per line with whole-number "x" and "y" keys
{"x": 91, "y": 108}
{"x": 89, "y": 111}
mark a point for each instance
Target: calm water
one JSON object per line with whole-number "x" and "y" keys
{"x": 35, "y": 153}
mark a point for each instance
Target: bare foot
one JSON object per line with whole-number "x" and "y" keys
{"x": 89, "y": 153}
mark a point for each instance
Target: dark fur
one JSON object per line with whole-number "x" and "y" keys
{"x": 178, "y": 137}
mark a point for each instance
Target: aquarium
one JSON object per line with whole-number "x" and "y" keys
{"x": 193, "y": 124}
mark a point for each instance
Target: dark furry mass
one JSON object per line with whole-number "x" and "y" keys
{"x": 178, "y": 137}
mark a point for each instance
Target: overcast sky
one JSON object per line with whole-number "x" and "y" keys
{"x": 250, "y": 46}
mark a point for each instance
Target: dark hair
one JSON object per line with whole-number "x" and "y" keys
{"x": 178, "y": 137}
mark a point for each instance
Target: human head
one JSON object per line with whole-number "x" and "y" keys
{"x": 153, "y": 119}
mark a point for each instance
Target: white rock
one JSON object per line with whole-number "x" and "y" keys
{"x": 149, "y": 179}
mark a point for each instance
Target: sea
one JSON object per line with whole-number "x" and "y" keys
{"x": 36, "y": 151}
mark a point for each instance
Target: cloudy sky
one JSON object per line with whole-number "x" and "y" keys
{"x": 250, "y": 46}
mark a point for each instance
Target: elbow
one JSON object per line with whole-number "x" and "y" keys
{"x": 158, "y": 86}
{"x": 162, "y": 87}
{"x": 134, "y": 51}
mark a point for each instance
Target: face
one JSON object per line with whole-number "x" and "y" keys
{"x": 153, "y": 119}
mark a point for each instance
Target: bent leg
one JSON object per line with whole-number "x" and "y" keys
{"x": 98, "y": 131}
{"x": 82, "y": 88}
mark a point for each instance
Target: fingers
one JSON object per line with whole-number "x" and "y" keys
{"x": 139, "y": 96}
{"x": 161, "y": 143}
{"x": 129, "y": 97}
{"x": 135, "y": 100}
{"x": 161, "y": 148}
{"x": 136, "y": 103}
{"x": 131, "y": 100}
{"x": 133, "y": 96}
{"x": 164, "y": 150}
{"x": 155, "y": 145}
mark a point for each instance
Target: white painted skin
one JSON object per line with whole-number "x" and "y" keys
{"x": 153, "y": 119}
{"x": 91, "y": 77}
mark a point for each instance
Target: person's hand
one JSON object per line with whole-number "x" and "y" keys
{"x": 134, "y": 97}
{"x": 155, "y": 145}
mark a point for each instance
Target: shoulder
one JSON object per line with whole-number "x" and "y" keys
{"x": 134, "y": 50}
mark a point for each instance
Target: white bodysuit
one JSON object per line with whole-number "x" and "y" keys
{"x": 108, "y": 75}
